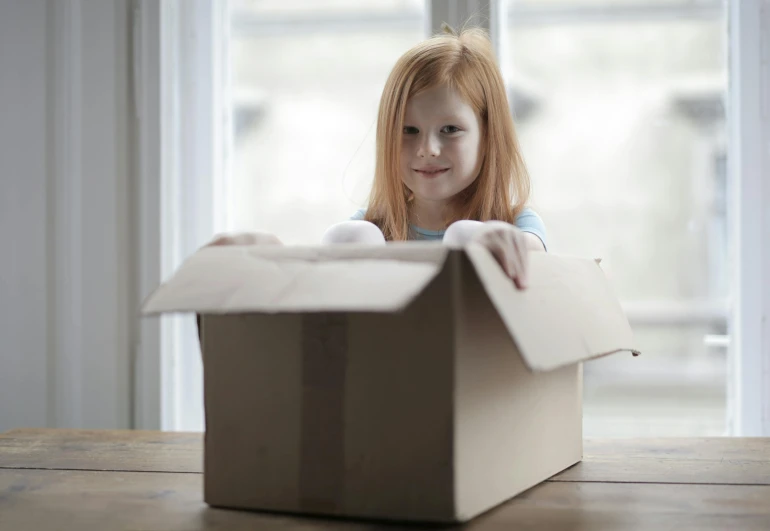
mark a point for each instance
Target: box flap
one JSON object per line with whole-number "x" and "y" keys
{"x": 273, "y": 279}
{"x": 567, "y": 314}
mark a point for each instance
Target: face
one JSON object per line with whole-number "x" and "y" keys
{"x": 440, "y": 148}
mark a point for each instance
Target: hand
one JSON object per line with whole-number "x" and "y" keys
{"x": 509, "y": 246}
{"x": 245, "y": 238}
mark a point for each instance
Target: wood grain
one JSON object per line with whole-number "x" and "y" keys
{"x": 726, "y": 460}
{"x": 84, "y": 500}
{"x": 120, "y": 450}
{"x": 694, "y": 448}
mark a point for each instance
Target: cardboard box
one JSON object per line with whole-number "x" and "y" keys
{"x": 403, "y": 382}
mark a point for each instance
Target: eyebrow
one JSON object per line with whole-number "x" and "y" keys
{"x": 444, "y": 119}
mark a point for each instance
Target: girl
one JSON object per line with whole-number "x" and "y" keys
{"x": 448, "y": 158}
{"x": 448, "y": 165}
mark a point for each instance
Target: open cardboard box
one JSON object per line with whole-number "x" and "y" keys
{"x": 406, "y": 381}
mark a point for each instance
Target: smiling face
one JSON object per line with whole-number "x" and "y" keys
{"x": 440, "y": 150}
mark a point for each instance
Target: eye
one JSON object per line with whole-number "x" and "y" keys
{"x": 450, "y": 129}
{"x": 409, "y": 130}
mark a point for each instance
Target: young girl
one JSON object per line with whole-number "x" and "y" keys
{"x": 448, "y": 158}
{"x": 448, "y": 166}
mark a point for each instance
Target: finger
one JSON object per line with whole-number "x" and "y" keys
{"x": 524, "y": 254}
{"x": 220, "y": 240}
{"x": 505, "y": 256}
{"x": 514, "y": 271}
{"x": 502, "y": 251}
{"x": 498, "y": 253}
{"x": 520, "y": 258}
{"x": 501, "y": 257}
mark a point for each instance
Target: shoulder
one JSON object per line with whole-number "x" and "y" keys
{"x": 527, "y": 215}
{"x": 529, "y": 221}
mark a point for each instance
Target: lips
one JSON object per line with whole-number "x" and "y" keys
{"x": 431, "y": 171}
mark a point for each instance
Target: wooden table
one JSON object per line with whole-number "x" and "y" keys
{"x": 102, "y": 480}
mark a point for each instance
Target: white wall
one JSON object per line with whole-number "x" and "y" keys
{"x": 24, "y": 252}
{"x": 66, "y": 282}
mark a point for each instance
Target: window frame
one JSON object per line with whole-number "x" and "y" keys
{"x": 749, "y": 177}
{"x": 177, "y": 43}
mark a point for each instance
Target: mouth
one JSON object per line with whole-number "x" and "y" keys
{"x": 431, "y": 172}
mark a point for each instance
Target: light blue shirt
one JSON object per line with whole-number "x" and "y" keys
{"x": 526, "y": 221}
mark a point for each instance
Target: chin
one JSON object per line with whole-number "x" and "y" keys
{"x": 436, "y": 193}
{"x": 429, "y": 195}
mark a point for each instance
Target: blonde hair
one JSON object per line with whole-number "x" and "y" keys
{"x": 465, "y": 62}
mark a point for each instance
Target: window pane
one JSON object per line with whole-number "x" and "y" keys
{"x": 675, "y": 388}
{"x": 619, "y": 108}
{"x": 306, "y": 102}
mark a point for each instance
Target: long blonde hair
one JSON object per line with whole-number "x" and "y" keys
{"x": 464, "y": 61}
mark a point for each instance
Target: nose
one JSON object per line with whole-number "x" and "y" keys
{"x": 429, "y": 146}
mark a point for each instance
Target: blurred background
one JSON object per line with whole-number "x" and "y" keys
{"x": 620, "y": 110}
{"x": 132, "y": 131}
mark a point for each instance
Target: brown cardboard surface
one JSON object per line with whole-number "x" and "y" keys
{"x": 359, "y": 428}
{"x": 253, "y": 400}
{"x": 513, "y": 428}
{"x": 565, "y": 294}
{"x": 406, "y": 381}
{"x": 567, "y": 314}
{"x": 276, "y": 279}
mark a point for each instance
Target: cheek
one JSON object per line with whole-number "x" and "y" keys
{"x": 467, "y": 153}
{"x": 403, "y": 163}
{"x": 405, "y": 153}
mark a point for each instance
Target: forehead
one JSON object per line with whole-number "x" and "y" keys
{"x": 437, "y": 102}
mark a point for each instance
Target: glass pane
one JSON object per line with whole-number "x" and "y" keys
{"x": 306, "y": 102}
{"x": 621, "y": 116}
{"x": 675, "y": 388}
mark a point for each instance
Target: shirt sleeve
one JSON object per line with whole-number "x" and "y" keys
{"x": 529, "y": 221}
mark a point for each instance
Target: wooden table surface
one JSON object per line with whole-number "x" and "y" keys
{"x": 103, "y": 480}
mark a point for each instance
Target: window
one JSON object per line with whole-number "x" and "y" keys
{"x": 620, "y": 112}
{"x": 269, "y": 121}
{"x": 306, "y": 83}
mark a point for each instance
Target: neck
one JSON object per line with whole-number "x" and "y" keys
{"x": 428, "y": 215}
